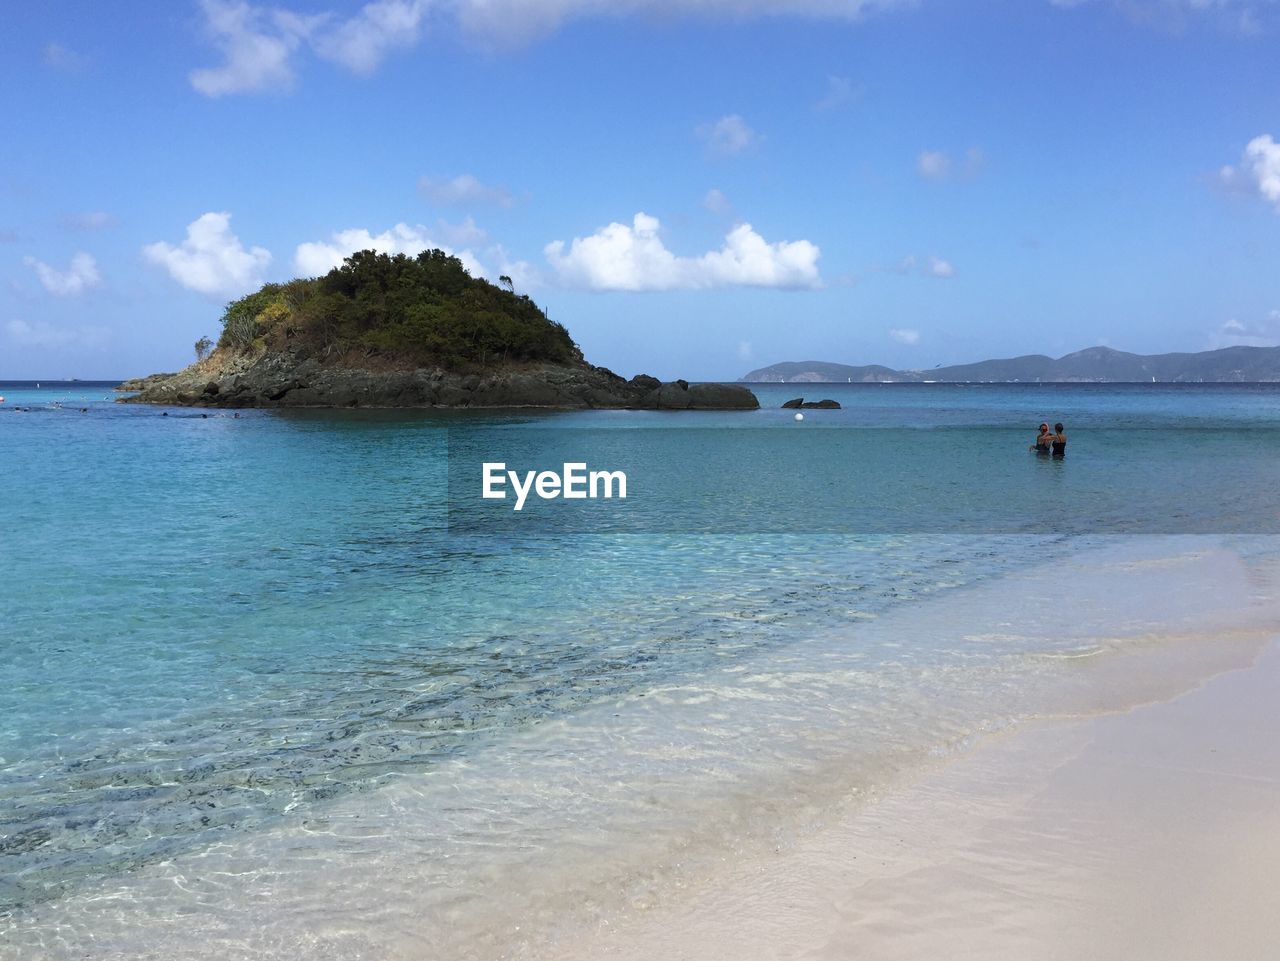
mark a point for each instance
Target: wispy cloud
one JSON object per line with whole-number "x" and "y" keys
{"x": 509, "y": 22}
{"x": 716, "y": 202}
{"x": 57, "y": 56}
{"x": 260, "y": 44}
{"x": 840, "y": 91}
{"x": 89, "y": 221}
{"x": 464, "y": 234}
{"x": 937, "y": 165}
{"x": 935, "y": 267}
{"x": 727, "y": 136}
{"x": 1243, "y": 16}
{"x": 634, "y": 257}
{"x": 212, "y": 260}
{"x": 75, "y": 280}
{"x": 933, "y": 165}
{"x": 361, "y": 43}
{"x": 905, "y": 335}
{"x": 42, "y": 334}
{"x": 257, "y": 44}
{"x": 464, "y": 190}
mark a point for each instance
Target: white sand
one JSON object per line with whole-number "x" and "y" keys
{"x": 1153, "y": 834}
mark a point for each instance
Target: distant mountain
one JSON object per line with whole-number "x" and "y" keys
{"x": 1097, "y": 365}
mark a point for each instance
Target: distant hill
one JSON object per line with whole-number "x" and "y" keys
{"x": 1098, "y": 365}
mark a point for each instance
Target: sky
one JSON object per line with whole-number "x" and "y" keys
{"x": 695, "y": 189}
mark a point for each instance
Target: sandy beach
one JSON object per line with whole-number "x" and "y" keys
{"x": 1150, "y": 834}
{"x": 1111, "y": 792}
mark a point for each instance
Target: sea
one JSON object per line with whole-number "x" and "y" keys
{"x": 286, "y": 685}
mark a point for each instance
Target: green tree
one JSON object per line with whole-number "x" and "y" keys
{"x": 422, "y": 310}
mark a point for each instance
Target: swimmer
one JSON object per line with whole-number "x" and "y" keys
{"x": 1058, "y": 440}
{"x": 1042, "y": 441}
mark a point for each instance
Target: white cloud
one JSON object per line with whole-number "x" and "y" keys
{"x": 319, "y": 257}
{"x": 1259, "y": 170}
{"x": 212, "y": 260}
{"x": 717, "y": 203}
{"x": 518, "y": 21}
{"x": 260, "y": 43}
{"x": 933, "y": 165}
{"x": 523, "y": 275}
{"x": 727, "y": 136}
{"x": 1234, "y": 333}
{"x": 465, "y": 234}
{"x": 974, "y": 160}
{"x": 937, "y": 267}
{"x": 364, "y": 41}
{"x": 464, "y": 191}
{"x": 76, "y": 279}
{"x": 92, "y": 220}
{"x": 63, "y": 58}
{"x": 622, "y": 257}
{"x": 41, "y": 334}
{"x": 1240, "y": 15}
{"x": 928, "y": 267}
{"x": 840, "y": 91}
{"x": 257, "y": 43}
{"x": 905, "y": 335}
{"x": 315, "y": 258}
{"x": 937, "y": 164}
{"x": 744, "y": 350}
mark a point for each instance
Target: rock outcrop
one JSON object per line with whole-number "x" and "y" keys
{"x": 283, "y": 379}
{"x": 797, "y": 403}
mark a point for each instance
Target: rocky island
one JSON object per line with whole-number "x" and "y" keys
{"x": 400, "y": 331}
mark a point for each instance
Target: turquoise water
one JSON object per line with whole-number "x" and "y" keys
{"x": 213, "y": 627}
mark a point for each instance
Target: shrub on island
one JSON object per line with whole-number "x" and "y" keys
{"x": 412, "y": 311}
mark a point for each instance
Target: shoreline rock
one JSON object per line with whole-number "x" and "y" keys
{"x": 281, "y": 380}
{"x": 799, "y": 403}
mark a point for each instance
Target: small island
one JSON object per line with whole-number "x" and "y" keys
{"x": 401, "y": 331}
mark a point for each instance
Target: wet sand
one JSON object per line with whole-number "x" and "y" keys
{"x": 1151, "y": 834}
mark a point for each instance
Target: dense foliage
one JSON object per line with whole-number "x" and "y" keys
{"x": 422, "y": 310}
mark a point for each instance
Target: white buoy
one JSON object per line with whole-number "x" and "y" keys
{"x": 799, "y": 416}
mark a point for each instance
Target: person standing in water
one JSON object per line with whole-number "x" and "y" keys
{"x": 1041, "y": 445}
{"x": 1058, "y": 441}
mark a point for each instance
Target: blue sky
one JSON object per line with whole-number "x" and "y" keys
{"x": 694, "y": 189}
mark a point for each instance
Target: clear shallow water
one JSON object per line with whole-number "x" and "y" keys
{"x": 219, "y": 628}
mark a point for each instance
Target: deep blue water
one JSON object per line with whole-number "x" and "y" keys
{"x": 209, "y": 624}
